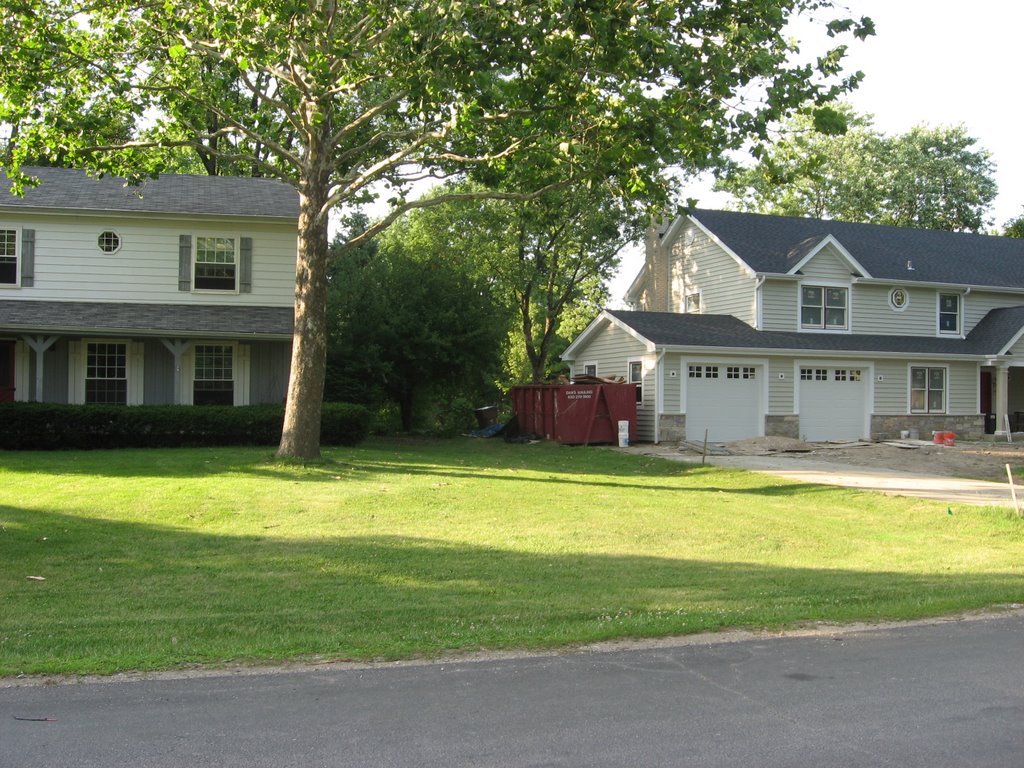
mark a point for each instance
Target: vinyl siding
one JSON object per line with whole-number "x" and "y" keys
{"x": 268, "y": 377}
{"x": 1017, "y": 350}
{"x": 873, "y": 314}
{"x": 964, "y": 381}
{"x": 725, "y": 286}
{"x": 671, "y": 397}
{"x": 779, "y": 308}
{"x": 827, "y": 264}
{"x": 977, "y": 304}
{"x": 780, "y": 391}
{"x": 55, "y": 373}
{"x": 159, "y": 374}
{"x": 69, "y": 265}
{"x": 612, "y": 348}
{"x": 892, "y": 394}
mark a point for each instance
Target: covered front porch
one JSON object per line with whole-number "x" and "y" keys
{"x": 1001, "y": 397}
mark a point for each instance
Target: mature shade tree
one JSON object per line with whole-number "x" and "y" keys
{"x": 933, "y": 178}
{"x": 342, "y": 99}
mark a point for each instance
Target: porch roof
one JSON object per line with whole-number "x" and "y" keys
{"x": 668, "y": 329}
{"x": 134, "y": 319}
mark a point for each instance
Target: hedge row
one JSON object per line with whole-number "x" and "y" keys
{"x": 45, "y": 426}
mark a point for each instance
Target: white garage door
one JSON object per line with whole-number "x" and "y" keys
{"x": 833, "y": 403}
{"x": 725, "y": 400}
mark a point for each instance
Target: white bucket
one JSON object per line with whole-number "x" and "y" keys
{"x": 623, "y": 434}
{"x": 904, "y": 434}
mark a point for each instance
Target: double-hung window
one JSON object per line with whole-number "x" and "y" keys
{"x": 636, "y": 376}
{"x": 949, "y": 313}
{"x": 106, "y": 373}
{"x": 927, "y": 390}
{"x": 214, "y": 379}
{"x": 216, "y": 264}
{"x": 8, "y": 257}
{"x": 823, "y": 307}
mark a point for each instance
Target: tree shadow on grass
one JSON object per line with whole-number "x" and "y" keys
{"x": 120, "y": 595}
{"x": 381, "y": 455}
{"x": 447, "y": 460}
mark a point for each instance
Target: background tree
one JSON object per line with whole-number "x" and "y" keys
{"x": 416, "y": 332}
{"x": 545, "y": 257}
{"x": 340, "y": 99}
{"x": 933, "y": 178}
{"x": 1014, "y": 227}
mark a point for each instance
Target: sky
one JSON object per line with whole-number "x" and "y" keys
{"x": 932, "y": 62}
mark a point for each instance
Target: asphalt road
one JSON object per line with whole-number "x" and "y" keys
{"x": 935, "y": 695}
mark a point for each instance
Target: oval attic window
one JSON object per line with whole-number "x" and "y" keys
{"x": 109, "y": 241}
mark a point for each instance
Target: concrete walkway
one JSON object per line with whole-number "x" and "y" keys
{"x": 951, "y": 490}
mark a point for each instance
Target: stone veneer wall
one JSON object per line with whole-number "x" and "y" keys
{"x": 889, "y": 427}
{"x": 782, "y": 426}
{"x": 672, "y": 427}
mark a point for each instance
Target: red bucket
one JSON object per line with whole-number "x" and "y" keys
{"x": 948, "y": 438}
{"x": 938, "y": 437}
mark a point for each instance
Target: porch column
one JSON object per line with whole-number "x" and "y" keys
{"x": 1001, "y": 404}
{"x": 178, "y": 348}
{"x": 39, "y": 345}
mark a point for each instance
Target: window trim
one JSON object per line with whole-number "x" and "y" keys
{"x": 17, "y": 255}
{"x": 939, "y": 313}
{"x": 700, "y": 302}
{"x": 824, "y": 327}
{"x": 127, "y": 344}
{"x": 899, "y": 289}
{"x": 636, "y": 361}
{"x": 588, "y": 364}
{"x": 927, "y": 390}
{"x": 237, "y": 240}
{"x": 235, "y": 381}
{"x": 99, "y": 241}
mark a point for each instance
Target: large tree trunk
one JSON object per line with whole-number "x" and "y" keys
{"x": 300, "y": 438}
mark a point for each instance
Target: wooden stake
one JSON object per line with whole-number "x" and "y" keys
{"x": 704, "y": 455}
{"x": 1013, "y": 490}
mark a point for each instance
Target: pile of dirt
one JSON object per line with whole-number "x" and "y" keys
{"x": 760, "y": 446}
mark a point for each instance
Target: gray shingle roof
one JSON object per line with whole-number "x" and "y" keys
{"x": 106, "y": 318}
{"x": 668, "y": 329}
{"x": 777, "y": 243}
{"x": 70, "y": 189}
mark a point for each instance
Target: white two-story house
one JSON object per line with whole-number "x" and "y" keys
{"x": 744, "y": 325}
{"x": 176, "y": 291}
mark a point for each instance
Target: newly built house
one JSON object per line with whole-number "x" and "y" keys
{"x": 178, "y": 290}
{"x": 744, "y": 325}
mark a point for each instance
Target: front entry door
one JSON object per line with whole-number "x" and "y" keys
{"x": 6, "y": 371}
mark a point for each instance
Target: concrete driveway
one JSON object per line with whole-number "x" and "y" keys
{"x": 951, "y": 490}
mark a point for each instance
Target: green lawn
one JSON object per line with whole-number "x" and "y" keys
{"x": 398, "y": 548}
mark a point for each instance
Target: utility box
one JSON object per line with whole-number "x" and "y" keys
{"x": 575, "y": 414}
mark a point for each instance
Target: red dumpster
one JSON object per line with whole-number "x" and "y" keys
{"x": 575, "y": 414}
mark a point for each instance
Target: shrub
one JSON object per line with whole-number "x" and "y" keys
{"x": 47, "y": 426}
